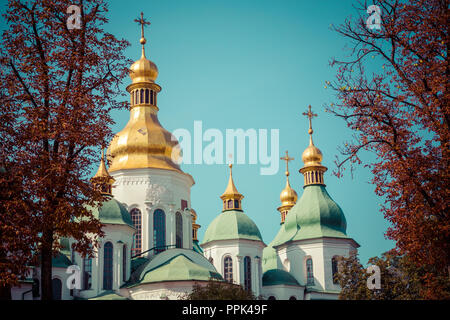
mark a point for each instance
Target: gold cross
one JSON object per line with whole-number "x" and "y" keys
{"x": 142, "y": 22}
{"x": 287, "y": 159}
{"x": 310, "y": 115}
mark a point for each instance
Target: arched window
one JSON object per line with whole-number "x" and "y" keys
{"x": 146, "y": 96}
{"x": 136, "y": 218}
{"x": 292, "y": 298}
{"x": 57, "y": 289}
{"x": 230, "y": 204}
{"x": 334, "y": 269}
{"x": 309, "y": 272}
{"x": 179, "y": 230}
{"x": 124, "y": 263}
{"x": 87, "y": 273}
{"x": 108, "y": 266}
{"x": 228, "y": 269}
{"x": 247, "y": 274}
{"x": 236, "y": 204}
{"x": 136, "y": 96}
{"x": 272, "y": 298}
{"x": 141, "y": 98}
{"x": 151, "y": 97}
{"x": 159, "y": 230}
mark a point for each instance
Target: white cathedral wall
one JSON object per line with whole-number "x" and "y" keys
{"x": 118, "y": 235}
{"x": 150, "y": 189}
{"x": 321, "y": 251}
{"x": 283, "y": 292}
{"x": 170, "y": 290}
{"x": 237, "y": 250}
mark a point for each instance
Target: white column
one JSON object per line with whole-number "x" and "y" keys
{"x": 148, "y": 234}
{"x": 239, "y": 273}
{"x": 170, "y": 226}
{"x": 256, "y": 271}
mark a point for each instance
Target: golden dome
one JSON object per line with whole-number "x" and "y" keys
{"x": 312, "y": 156}
{"x": 288, "y": 196}
{"x": 231, "y": 192}
{"x": 144, "y": 143}
{"x": 143, "y": 70}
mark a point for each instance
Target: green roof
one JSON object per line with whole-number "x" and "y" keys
{"x": 174, "y": 265}
{"x": 278, "y": 277}
{"x": 108, "y": 295}
{"x": 232, "y": 224}
{"x": 270, "y": 258}
{"x": 112, "y": 211}
{"x": 196, "y": 247}
{"x": 60, "y": 261}
{"x": 315, "y": 215}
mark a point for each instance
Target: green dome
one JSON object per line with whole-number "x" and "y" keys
{"x": 232, "y": 224}
{"x": 315, "y": 215}
{"x": 112, "y": 211}
{"x": 175, "y": 265}
{"x": 277, "y": 276}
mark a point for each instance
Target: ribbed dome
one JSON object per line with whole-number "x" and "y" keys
{"x": 143, "y": 70}
{"x": 112, "y": 211}
{"x": 143, "y": 143}
{"x": 232, "y": 224}
{"x": 312, "y": 156}
{"x": 288, "y": 196}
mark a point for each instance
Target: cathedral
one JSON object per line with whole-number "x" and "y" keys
{"x": 150, "y": 249}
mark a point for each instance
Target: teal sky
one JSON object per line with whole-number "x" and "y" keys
{"x": 253, "y": 64}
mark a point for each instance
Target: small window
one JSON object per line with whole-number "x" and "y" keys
{"x": 87, "y": 273}
{"x": 146, "y": 96}
{"x": 179, "y": 230}
{"x": 136, "y": 218}
{"x": 108, "y": 266}
{"x": 124, "y": 263}
{"x": 228, "y": 269}
{"x": 142, "y": 96}
{"x": 230, "y": 204}
{"x": 309, "y": 272}
{"x": 334, "y": 269}
{"x": 236, "y": 204}
{"x": 247, "y": 274}
{"x": 151, "y": 97}
{"x": 57, "y": 289}
{"x": 159, "y": 230}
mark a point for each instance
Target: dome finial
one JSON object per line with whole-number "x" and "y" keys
{"x": 310, "y": 115}
{"x": 102, "y": 179}
{"x": 143, "y": 23}
{"x": 231, "y": 197}
{"x": 288, "y": 196}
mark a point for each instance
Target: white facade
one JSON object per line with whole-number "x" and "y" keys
{"x": 151, "y": 189}
{"x": 238, "y": 249}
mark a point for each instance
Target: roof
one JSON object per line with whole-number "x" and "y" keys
{"x": 232, "y": 224}
{"x": 315, "y": 215}
{"x": 112, "y": 211}
{"x": 196, "y": 247}
{"x": 60, "y": 261}
{"x": 174, "y": 265}
{"x": 278, "y": 277}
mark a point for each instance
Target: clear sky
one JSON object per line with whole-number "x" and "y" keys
{"x": 252, "y": 64}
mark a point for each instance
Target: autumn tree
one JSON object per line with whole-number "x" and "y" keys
{"x": 59, "y": 81}
{"x": 218, "y": 290}
{"x": 392, "y": 91}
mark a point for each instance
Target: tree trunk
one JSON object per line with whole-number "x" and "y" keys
{"x": 5, "y": 292}
{"x": 46, "y": 265}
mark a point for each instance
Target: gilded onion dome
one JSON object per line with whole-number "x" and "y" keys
{"x": 144, "y": 143}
